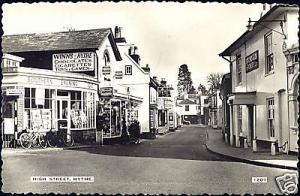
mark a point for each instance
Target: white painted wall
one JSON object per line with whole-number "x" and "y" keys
{"x": 266, "y": 85}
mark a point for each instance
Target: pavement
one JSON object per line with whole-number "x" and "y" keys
{"x": 217, "y": 145}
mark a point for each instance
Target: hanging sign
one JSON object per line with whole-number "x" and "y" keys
{"x": 106, "y": 70}
{"x": 252, "y": 61}
{"x": 118, "y": 74}
{"x": 75, "y": 62}
{"x": 106, "y": 91}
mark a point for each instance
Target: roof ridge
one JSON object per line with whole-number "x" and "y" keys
{"x": 55, "y": 32}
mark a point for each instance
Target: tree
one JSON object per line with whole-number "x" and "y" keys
{"x": 202, "y": 89}
{"x": 214, "y": 81}
{"x": 184, "y": 80}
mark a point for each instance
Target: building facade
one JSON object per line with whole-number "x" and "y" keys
{"x": 259, "y": 113}
{"x": 189, "y": 108}
{"x": 78, "y": 81}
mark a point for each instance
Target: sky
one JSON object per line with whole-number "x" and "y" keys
{"x": 167, "y": 34}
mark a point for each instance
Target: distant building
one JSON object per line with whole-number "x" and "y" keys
{"x": 188, "y": 107}
{"x": 165, "y": 104}
{"x": 225, "y": 92}
{"x": 215, "y": 109}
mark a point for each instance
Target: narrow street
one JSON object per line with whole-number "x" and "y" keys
{"x": 175, "y": 163}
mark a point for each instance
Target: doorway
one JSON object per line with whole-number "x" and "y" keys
{"x": 63, "y": 113}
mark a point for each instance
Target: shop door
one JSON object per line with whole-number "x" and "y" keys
{"x": 63, "y": 114}
{"x": 8, "y": 125}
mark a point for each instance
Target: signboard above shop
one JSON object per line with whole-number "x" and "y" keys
{"x": 15, "y": 91}
{"x": 74, "y": 62}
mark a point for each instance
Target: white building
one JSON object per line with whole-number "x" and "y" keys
{"x": 259, "y": 102}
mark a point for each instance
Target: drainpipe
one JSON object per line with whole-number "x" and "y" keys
{"x": 288, "y": 103}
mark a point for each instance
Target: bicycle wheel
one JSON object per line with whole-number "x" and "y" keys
{"x": 25, "y": 140}
{"x": 68, "y": 140}
{"x": 52, "y": 140}
{"x": 42, "y": 141}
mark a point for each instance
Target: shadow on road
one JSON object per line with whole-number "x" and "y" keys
{"x": 186, "y": 144}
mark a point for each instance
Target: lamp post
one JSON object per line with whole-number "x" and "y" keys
{"x": 250, "y": 25}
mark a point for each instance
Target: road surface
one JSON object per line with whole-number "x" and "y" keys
{"x": 176, "y": 163}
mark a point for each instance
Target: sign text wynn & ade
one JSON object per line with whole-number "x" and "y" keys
{"x": 77, "y": 62}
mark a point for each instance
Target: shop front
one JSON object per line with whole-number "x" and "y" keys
{"x": 116, "y": 111}
{"x": 41, "y": 100}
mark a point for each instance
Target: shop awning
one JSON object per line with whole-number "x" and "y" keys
{"x": 242, "y": 98}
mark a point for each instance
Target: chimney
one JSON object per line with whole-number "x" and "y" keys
{"x": 130, "y": 50}
{"x": 163, "y": 82}
{"x": 146, "y": 69}
{"x": 135, "y": 55}
{"x": 118, "y": 35}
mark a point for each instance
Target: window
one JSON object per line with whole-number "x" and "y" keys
{"x": 269, "y": 53}
{"x": 128, "y": 70}
{"x": 82, "y": 110}
{"x": 38, "y": 108}
{"x": 295, "y": 58}
{"x": 239, "y": 118}
{"x": 106, "y": 58}
{"x": 187, "y": 108}
{"x": 270, "y": 115}
{"x": 205, "y": 101}
{"x": 238, "y": 69}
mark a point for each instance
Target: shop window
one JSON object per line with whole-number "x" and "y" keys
{"x": 187, "y": 108}
{"x": 238, "y": 69}
{"x": 269, "y": 53}
{"x": 270, "y": 115}
{"x": 128, "y": 70}
{"x": 239, "y": 118}
{"x": 38, "y": 109}
{"x": 82, "y": 110}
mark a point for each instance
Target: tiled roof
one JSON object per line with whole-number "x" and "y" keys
{"x": 68, "y": 40}
{"x": 186, "y": 101}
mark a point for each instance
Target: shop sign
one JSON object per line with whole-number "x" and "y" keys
{"x": 252, "y": 61}
{"x": 106, "y": 91}
{"x": 106, "y": 70}
{"x": 14, "y": 91}
{"x": 118, "y": 74}
{"x": 40, "y": 80}
{"x": 75, "y": 62}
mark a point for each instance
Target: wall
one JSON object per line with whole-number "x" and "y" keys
{"x": 265, "y": 85}
{"x": 139, "y": 84}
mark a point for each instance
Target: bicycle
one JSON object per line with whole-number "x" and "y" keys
{"x": 32, "y": 139}
{"x": 55, "y": 138}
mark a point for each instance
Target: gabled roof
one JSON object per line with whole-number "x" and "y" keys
{"x": 67, "y": 40}
{"x": 186, "y": 102}
{"x": 270, "y": 15}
